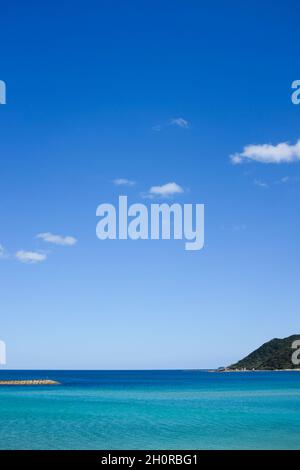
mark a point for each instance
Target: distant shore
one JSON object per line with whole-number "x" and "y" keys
{"x": 29, "y": 382}
{"x": 255, "y": 370}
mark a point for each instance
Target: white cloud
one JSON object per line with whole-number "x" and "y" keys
{"x": 57, "y": 239}
{"x": 2, "y": 252}
{"x": 166, "y": 190}
{"x": 239, "y": 228}
{"x": 261, "y": 184}
{"x": 268, "y": 153}
{"x": 234, "y": 228}
{"x": 180, "y": 122}
{"x": 30, "y": 257}
{"x": 123, "y": 182}
{"x": 285, "y": 179}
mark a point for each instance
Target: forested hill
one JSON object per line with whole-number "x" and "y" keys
{"x": 275, "y": 354}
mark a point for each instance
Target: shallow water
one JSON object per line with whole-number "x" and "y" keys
{"x": 151, "y": 410}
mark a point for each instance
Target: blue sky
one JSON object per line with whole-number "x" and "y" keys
{"x": 91, "y": 94}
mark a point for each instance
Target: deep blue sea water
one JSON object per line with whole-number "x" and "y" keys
{"x": 151, "y": 410}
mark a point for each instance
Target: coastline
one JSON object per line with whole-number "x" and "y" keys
{"x": 254, "y": 370}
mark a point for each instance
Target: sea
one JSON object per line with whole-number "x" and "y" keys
{"x": 174, "y": 409}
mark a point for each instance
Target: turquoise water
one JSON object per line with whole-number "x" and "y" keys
{"x": 152, "y": 410}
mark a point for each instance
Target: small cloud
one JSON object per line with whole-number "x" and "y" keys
{"x": 239, "y": 228}
{"x": 3, "y": 253}
{"x": 285, "y": 179}
{"x": 261, "y": 184}
{"x": 57, "y": 239}
{"x": 180, "y": 122}
{"x": 30, "y": 257}
{"x": 236, "y": 159}
{"x": 123, "y": 182}
{"x": 234, "y": 228}
{"x": 166, "y": 190}
{"x": 268, "y": 153}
